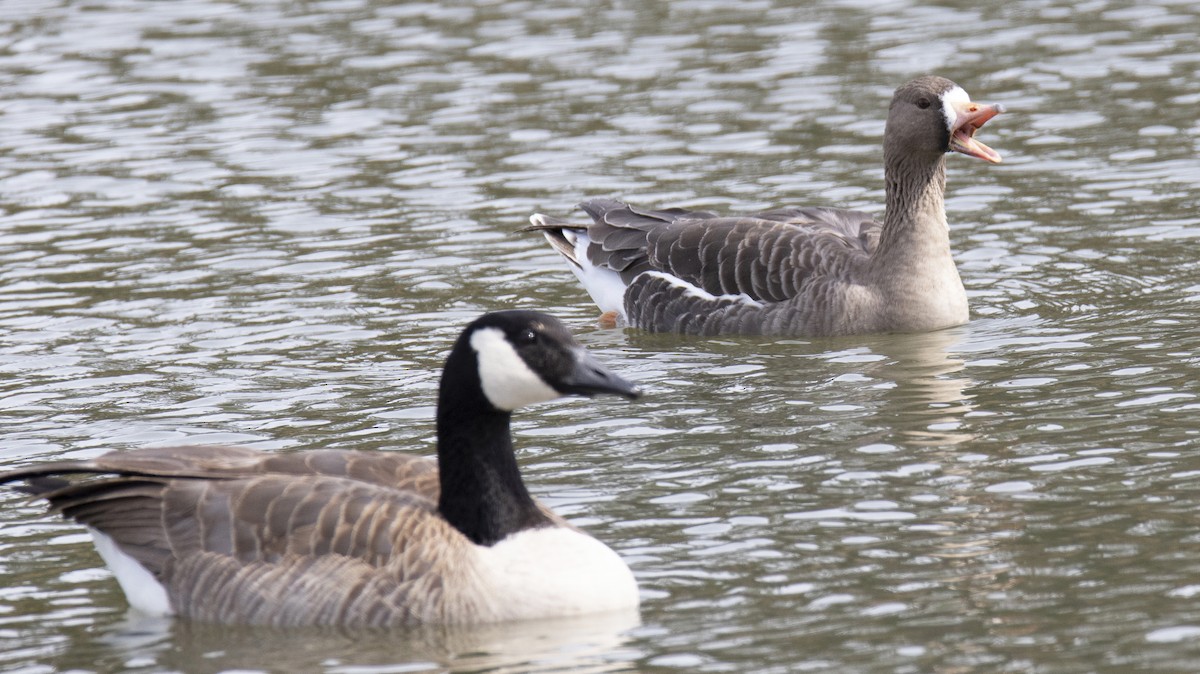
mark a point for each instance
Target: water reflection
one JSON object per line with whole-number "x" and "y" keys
{"x": 928, "y": 401}
{"x": 138, "y": 643}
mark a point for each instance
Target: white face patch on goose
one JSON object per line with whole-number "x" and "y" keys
{"x": 949, "y": 99}
{"x": 506, "y": 379}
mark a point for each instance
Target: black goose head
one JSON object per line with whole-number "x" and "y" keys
{"x": 931, "y": 116}
{"x": 523, "y": 357}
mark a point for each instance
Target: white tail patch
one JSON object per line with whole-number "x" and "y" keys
{"x": 506, "y": 380}
{"x": 141, "y": 588}
{"x": 604, "y": 285}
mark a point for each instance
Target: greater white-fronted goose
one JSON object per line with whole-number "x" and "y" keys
{"x": 356, "y": 538}
{"x": 794, "y": 271}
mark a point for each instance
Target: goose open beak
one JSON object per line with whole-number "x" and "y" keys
{"x": 969, "y": 118}
{"x": 589, "y": 377}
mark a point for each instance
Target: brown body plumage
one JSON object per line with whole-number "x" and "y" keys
{"x": 230, "y": 531}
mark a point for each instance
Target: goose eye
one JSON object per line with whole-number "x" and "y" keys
{"x": 527, "y": 337}
{"x": 923, "y": 103}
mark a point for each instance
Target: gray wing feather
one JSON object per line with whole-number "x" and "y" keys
{"x": 753, "y": 270}
{"x": 766, "y": 256}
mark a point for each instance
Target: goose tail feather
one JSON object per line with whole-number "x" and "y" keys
{"x": 605, "y": 286}
{"x": 563, "y": 236}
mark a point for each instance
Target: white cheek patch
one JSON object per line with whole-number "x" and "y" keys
{"x": 956, "y": 95}
{"x": 507, "y": 381}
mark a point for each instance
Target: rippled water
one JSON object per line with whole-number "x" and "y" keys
{"x": 262, "y": 223}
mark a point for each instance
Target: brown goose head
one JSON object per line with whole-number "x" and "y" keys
{"x": 931, "y": 115}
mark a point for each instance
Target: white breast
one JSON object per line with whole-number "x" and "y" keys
{"x": 554, "y": 571}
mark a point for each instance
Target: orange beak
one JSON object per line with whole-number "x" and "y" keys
{"x": 970, "y": 117}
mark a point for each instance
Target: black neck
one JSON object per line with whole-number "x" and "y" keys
{"x": 482, "y": 494}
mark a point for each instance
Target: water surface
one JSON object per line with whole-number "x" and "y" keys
{"x": 263, "y": 223}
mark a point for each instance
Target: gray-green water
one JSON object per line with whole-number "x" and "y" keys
{"x": 263, "y": 222}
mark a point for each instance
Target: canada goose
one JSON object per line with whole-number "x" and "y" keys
{"x": 349, "y": 538}
{"x": 794, "y": 271}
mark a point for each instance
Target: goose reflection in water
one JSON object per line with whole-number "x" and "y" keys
{"x": 595, "y": 643}
{"x": 930, "y": 400}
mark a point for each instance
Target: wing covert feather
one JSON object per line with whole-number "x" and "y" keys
{"x": 259, "y": 531}
{"x": 767, "y": 256}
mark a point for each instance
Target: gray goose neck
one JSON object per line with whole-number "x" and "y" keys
{"x": 482, "y": 493}
{"x": 916, "y": 207}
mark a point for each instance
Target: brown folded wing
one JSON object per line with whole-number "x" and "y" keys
{"x": 239, "y": 536}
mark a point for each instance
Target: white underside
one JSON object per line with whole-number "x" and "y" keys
{"x": 142, "y": 589}
{"x": 554, "y": 571}
{"x": 603, "y": 284}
